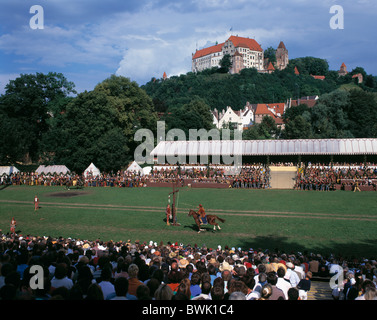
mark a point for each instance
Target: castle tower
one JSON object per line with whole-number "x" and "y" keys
{"x": 343, "y": 70}
{"x": 237, "y": 63}
{"x": 282, "y": 59}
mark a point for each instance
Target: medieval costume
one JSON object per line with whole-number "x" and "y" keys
{"x": 36, "y": 203}
{"x": 202, "y": 215}
{"x": 13, "y": 225}
{"x": 168, "y": 214}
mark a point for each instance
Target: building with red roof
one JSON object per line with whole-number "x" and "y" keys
{"x": 275, "y": 110}
{"x": 318, "y": 77}
{"x": 343, "y": 70}
{"x": 359, "y": 77}
{"x": 250, "y": 50}
{"x": 270, "y": 68}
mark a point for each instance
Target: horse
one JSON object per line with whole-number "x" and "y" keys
{"x": 211, "y": 219}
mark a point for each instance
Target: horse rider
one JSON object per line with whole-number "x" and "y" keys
{"x": 202, "y": 215}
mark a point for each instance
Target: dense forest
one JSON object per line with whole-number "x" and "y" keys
{"x": 219, "y": 90}
{"x": 44, "y": 120}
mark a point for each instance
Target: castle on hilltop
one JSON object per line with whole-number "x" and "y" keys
{"x": 244, "y": 53}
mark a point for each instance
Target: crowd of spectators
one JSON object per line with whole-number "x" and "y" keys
{"x": 319, "y": 177}
{"x": 250, "y": 176}
{"x": 75, "y": 269}
{"x": 322, "y": 177}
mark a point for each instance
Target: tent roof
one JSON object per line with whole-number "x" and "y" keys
{"x": 52, "y": 169}
{"x": 8, "y": 170}
{"x": 267, "y": 147}
{"x": 92, "y": 168}
{"x": 134, "y": 167}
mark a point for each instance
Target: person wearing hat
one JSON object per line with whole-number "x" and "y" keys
{"x": 182, "y": 263}
{"x": 202, "y": 215}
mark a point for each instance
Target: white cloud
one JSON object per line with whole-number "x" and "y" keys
{"x": 4, "y": 80}
{"x": 142, "y": 39}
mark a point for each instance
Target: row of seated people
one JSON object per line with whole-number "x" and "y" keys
{"x": 75, "y": 269}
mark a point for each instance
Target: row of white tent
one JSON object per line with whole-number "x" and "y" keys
{"x": 8, "y": 170}
{"x": 61, "y": 169}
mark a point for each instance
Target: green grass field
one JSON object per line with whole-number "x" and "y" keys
{"x": 336, "y": 222}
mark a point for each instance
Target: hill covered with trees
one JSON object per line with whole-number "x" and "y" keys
{"x": 44, "y": 120}
{"x": 219, "y": 89}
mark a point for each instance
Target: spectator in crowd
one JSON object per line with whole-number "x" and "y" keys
{"x": 85, "y": 270}
{"x": 121, "y": 289}
{"x": 133, "y": 281}
{"x": 293, "y": 294}
{"x": 206, "y": 290}
{"x": 291, "y": 275}
{"x": 277, "y": 294}
{"x": 281, "y": 283}
{"x": 60, "y": 278}
{"x": 106, "y": 285}
{"x": 304, "y": 286}
{"x": 164, "y": 292}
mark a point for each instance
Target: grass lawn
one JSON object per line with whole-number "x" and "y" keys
{"x": 338, "y": 222}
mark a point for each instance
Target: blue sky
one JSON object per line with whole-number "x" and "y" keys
{"x": 88, "y": 40}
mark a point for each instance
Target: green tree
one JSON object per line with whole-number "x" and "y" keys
{"x": 270, "y": 54}
{"x": 193, "y": 115}
{"x": 267, "y": 129}
{"x": 225, "y": 63}
{"x": 98, "y": 126}
{"x": 26, "y": 106}
{"x": 362, "y": 113}
{"x": 310, "y": 65}
{"x": 298, "y": 128}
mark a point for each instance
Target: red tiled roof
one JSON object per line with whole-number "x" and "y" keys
{"x": 282, "y": 45}
{"x": 310, "y": 103}
{"x": 262, "y": 108}
{"x": 343, "y": 65}
{"x": 296, "y": 71}
{"x": 206, "y": 51}
{"x": 245, "y": 43}
{"x": 318, "y": 77}
{"x": 270, "y": 67}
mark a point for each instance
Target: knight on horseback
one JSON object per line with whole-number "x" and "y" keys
{"x": 202, "y": 215}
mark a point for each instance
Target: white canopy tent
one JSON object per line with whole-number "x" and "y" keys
{"x": 60, "y": 169}
{"x": 8, "y": 170}
{"x": 267, "y": 147}
{"x": 134, "y": 167}
{"x": 92, "y": 170}
{"x": 147, "y": 170}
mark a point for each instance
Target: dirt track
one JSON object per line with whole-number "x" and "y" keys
{"x": 220, "y": 212}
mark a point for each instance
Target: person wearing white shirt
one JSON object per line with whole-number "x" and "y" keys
{"x": 60, "y": 278}
{"x": 291, "y": 275}
{"x": 283, "y": 284}
{"x": 106, "y": 286}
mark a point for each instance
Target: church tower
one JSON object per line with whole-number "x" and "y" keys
{"x": 282, "y": 59}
